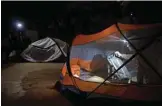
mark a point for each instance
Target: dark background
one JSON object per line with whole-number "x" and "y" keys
{"x": 40, "y": 15}
{"x": 64, "y": 19}
{"x": 81, "y": 17}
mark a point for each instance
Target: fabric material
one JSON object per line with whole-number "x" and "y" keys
{"x": 45, "y": 50}
{"x": 97, "y": 57}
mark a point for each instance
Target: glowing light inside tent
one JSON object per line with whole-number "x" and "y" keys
{"x": 124, "y": 41}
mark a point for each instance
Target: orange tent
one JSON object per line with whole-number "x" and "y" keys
{"x": 116, "y": 61}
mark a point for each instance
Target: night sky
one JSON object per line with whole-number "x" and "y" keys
{"x": 42, "y": 14}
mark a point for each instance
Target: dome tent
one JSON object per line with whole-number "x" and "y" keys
{"x": 115, "y": 61}
{"x": 45, "y": 50}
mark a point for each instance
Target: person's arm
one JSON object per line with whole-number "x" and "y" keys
{"x": 123, "y": 56}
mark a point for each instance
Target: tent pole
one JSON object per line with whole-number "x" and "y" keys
{"x": 139, "y": 52}
{"x": 122, "y": 66}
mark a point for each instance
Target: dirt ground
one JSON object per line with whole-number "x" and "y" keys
{"x": 31, "y": 84}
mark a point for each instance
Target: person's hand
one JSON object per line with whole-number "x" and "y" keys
{"x": 75, "y": 70}
{"x": 118, "y": 54}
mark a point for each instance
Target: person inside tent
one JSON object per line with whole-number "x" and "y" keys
{"x": 90, "y": 67}
{"x": 129, "y": 71}
{"x": 100, "y": 68}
